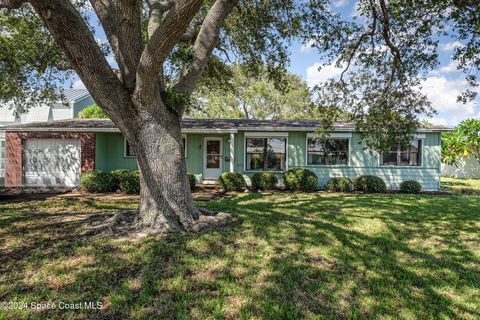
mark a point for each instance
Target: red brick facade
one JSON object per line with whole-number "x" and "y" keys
{"x": 14, "y": 147}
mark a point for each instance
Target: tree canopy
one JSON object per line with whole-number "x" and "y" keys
{"x": 92, "y": 112}
{"x": 251, "y": 96}
{"x": 464, "y": 141}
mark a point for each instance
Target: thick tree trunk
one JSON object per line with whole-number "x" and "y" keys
{"x": 165, "y": 199}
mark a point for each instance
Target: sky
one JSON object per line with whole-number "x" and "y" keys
{"x": 442, "y": 86}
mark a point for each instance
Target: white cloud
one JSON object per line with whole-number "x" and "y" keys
{"x": 451, "y": 67}
{"x": 438, "y": 121}
{"x": 451, "y": 46}
{"x": 443, "y": 93}
{"x": 340, "y": 3}
{"x": 307, "y": 47}
{"x": 78, "y": 84}
{"x": 317, "y": 73}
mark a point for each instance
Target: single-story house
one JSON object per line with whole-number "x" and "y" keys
{"x": 55, "y": 153}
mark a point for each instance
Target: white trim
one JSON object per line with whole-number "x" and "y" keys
{"x": 232, "y": 152}
{"x": 266, "y": 134}
{"x": 263, "y": 137}
{"x": 204, "y": 155}
{"x": 419, "y": 137}
{"x": 184, "y": 136}
{"x": 331, "y": 137}
{"x": 125, "y": 149}
{"x": 422, "y": 165}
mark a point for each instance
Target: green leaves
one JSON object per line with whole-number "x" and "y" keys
{"x": 462, "y": 142}
{"x": 92, "y": 112}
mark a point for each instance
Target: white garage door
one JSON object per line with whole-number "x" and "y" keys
{"x": 52, "y": 162}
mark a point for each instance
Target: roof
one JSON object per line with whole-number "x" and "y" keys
{"x": 74, "y": 95}
{"x": 195, "y": 125}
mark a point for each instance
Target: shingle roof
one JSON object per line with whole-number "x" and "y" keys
{"x": 73, "y": 95}
{"x": 94, "y": 125}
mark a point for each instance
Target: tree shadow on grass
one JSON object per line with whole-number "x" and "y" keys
{"x": 290, "y": 256}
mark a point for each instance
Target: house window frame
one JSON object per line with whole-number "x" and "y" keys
{"x": 331, "y": 136}
{"x": 125, "y": 143}
{"x": 420, "y": 138}
{"x": 264, "y": 135}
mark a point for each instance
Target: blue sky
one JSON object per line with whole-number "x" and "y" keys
{"x": 442, "y": 86}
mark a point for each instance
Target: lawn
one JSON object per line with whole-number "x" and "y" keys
{"x": 288, "y": 256}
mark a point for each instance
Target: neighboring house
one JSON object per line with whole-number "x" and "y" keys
{"x": 467, "y": 167}
{"x": 57, "y": 152}
{"x": 75, "y": 99}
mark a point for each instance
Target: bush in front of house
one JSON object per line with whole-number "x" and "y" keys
{"x": 300, "y": 179}
{"x": 98, "y": 182}
{"x": 264, "y": 181}
{"x": 340, "y": 184}
{"x": 370, "y": 184}
{"x": 410, "y": 186}
{"x": 230, "y": 181}
{"x": 192, "y": 181}
{"x": 128, "y": 181}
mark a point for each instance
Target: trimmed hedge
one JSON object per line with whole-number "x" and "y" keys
{"x": 230, "y": 181}
{"x": 264, "y": 181}
{"x": 410, "y": 186}
{"x": 370, "y": 184}
{"x": 98, "y": 181}
{"x": 300, "y": 179}
{"x": 340, "y": 184}
{"x": 192, "y": 181}
{"x": 128, "y": 181}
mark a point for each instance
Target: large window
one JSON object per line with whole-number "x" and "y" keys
{"x": 327, "y": 151}
{"x": 409, "y": 156}
{"x": 265, "y": 154}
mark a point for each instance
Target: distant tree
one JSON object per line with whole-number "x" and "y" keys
{"x": 254, "y": 97}
{"x": 462, "y": 142}
{"x": 92, "y": 112}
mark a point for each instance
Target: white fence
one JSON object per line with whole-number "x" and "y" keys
{"x": 468, "y": 167}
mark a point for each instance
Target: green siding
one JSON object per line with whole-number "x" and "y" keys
{"x": 362, "y": 162}
{"x": 109, "y": 153}
{"x": 109, "y": 156}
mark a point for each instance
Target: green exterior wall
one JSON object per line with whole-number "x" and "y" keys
{"x": 109, "y": 156}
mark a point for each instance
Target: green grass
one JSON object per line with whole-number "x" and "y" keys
{"x": 461, "y": 186}
{"x": 288, "y": 256}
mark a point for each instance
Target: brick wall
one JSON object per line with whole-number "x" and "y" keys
{"x": 14, "y": 147}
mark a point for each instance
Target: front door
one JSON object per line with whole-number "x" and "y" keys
{"x": 212, "y": 155}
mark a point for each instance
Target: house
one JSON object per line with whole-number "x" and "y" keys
{"x": 75, "y": 101}
{"x": 55, "y": 153}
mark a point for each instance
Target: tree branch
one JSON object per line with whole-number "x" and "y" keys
{"x": 161, "y": 42}
{"x": 204, "y": 44}
{"x": 77, "y": 42}
{"x": 11, "y": 4}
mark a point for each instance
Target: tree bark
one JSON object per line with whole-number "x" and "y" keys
{"x": 166, "y": 202}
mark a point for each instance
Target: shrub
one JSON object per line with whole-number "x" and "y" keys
{"x": 128, "y": 181}
{"x": 340, "y": 185}
{"x": 410, "y": 186}
{"x": 264, "y": 181}
{"x": 300, "y": 179}
{"x": 232, "y": 181}
{"x": 98, "y": 182}
{"x": 92, "y": 112}
{"x": 370, "y": 184}
{"x": 192, "y": 181}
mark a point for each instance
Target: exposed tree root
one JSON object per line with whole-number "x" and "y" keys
{"x": 125, "y": 224}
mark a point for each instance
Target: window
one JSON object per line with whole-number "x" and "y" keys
{"x": 409, "y": 156}
{"x": 265, "y": 154}
{"x": 327, "y": 151}
{"x": 128, "y": 150}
